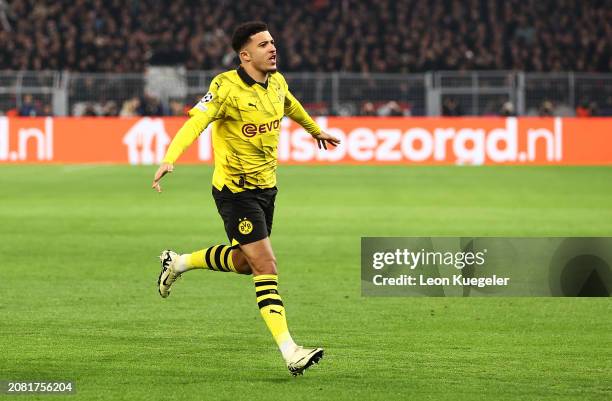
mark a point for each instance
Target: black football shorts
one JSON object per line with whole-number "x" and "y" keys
{"x": 247, "y": 215}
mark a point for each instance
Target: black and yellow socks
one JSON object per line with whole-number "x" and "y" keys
{"x": 273, "y": 311}
{"x": 217, "y": 257}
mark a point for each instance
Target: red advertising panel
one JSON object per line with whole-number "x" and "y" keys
{"x": 365, "y": 140}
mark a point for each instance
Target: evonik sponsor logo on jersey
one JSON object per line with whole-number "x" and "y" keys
{"x": 250, "y": 130}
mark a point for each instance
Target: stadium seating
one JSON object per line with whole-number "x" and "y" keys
{"x": 321, "y": 35}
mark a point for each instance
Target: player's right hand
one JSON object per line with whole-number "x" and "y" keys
{"x": 163, "y": 169}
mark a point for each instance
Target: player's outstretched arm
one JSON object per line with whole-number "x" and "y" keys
{"x": 163, "y": 169}
{"x": 183, "y": 139}
{"x": 295, "y": 110}
{"x": 210, "y": 108}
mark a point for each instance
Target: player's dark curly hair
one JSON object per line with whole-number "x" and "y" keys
{"x": 244, "y": 31}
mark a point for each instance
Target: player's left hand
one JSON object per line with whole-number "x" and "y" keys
{"x": 324, "y": 138}
{"x": 163, "y": 169}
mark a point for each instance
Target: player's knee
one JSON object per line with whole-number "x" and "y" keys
{"x": 244, "y": 268}
{"x": 238, "y": 258}
{"x": 265, "y": 265}
{"x": 240, "y": 262}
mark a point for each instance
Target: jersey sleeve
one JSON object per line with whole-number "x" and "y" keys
{"x": 210, "y": 108}
{"x": 295, "y": 111}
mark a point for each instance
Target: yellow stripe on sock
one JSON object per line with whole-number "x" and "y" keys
{"x": 213, "y": 265}
{"x": 267, "y": 287}
{"x": 226, "y": 252}
{"x": 196, "y": 259}
{"x": 266, "y": 277}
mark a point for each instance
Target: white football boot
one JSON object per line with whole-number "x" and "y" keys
{"x": 168, "y": 275}
{"x": 302, "y": 358}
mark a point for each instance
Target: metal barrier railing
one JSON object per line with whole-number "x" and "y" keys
{"x": 167, "y": 91}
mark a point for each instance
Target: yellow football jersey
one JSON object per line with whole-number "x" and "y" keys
{"x": 246, "y": 117}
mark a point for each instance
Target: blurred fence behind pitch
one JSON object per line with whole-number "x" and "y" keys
{"x": 472, "y": 93}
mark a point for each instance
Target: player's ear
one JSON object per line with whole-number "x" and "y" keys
{"x": 244, "y": 55}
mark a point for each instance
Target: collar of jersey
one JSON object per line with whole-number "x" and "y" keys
{"x": 247, "y": 79}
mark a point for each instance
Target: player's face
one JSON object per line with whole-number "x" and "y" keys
{"x": 262, "y": 52}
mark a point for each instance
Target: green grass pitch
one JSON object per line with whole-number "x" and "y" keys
{"x": 79, "y": 247}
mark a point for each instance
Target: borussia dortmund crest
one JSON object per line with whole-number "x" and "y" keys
{"x": 245, "y": 226}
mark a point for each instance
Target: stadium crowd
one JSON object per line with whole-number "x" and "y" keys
{"x": 319, "y": 35}
{"x": 404, "y": 36}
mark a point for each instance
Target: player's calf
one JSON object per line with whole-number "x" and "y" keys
{"x": 272, "y": 311}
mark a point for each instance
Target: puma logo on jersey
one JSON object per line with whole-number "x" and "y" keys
{"x": 276, "y": 311}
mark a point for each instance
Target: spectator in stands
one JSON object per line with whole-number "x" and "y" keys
{"x": 11, "y": 112}
{"x": 390, "y": 109}
{"x": 150, "y": 106}
{"x": 177, "y": 108}
{"x": 594, "y": 109}
{"x": 394, "y": 109}
{"x": 90, "y": 110}
{"x": 110, "y": 109}
{"x": 507, "y": 109}
{"x": 584, "y": 109}
{"x": 28, "y": 108}
{"x": 130, "y": 107}
{"x": 587, "y": 108}
{"x": 367, "y": 109}
{"x": 546, "y": 109}
{"x": 451, "y": 107}
{"x": 47, "y": 111}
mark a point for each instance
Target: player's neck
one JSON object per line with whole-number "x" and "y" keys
{"x": 257, "y": 75}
